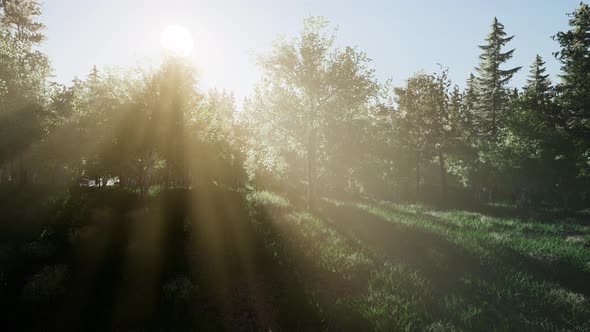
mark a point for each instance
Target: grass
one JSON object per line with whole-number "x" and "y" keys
{"x": 227, "y": 260}
{"x": 267, "y": 199}
{"x": 109, "y": 260}
{"x": 421, "y": 268}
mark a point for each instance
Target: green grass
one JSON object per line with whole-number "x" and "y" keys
{"x": 267, "y": 199}
{"x": 485, "y": 236}
{"x": 257, "y": 260}
{"x": 513, "y": 273}
{"x": 108, "y": 259}
{"x": 420, "y": 268}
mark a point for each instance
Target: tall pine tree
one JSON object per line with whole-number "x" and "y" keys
{"x": 492, "y": 81}
{"x": 23, "y": 73}
{"x": 538, "y": 81}
{"x": 538, "y": 92}
{"x": 575, "y": 85}
{"x": 469, "y": 102}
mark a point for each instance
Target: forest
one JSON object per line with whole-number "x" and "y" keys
{"x": 131, "y": 199}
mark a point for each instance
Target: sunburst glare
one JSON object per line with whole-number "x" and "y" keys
{"x": 177, "y": 40}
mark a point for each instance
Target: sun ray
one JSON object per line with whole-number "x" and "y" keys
{"x": 177, "y": 41}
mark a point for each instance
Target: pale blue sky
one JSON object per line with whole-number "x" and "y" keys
{"x": 401, "y": 37}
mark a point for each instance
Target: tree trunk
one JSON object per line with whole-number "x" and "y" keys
{"x": 142, "y": 184}
{"x": 22, "y": 172}
{"x": 167, "y": 176}
{"x": 443, "y": 173}
{"x": 494, "y": 117}
{"x": 141, "y": 179}
{"x": 52, "y": 172}
{"x": 563, "y": 193}
{"x": 417, "y": 174}
{"x": 122, "y": 180}
{"x": 311, "y": 169}
{"x": 12, "y": 171}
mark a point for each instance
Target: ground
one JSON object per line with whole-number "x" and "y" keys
{"x": 256, "y": 260}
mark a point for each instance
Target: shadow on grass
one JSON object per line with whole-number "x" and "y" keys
{"x": 435, "y": 257}
{"x": 498, "y": 287}
{"x": 539, "y": 213}
{"x": 182, "y": 260}
{"x": 442, "y": 260}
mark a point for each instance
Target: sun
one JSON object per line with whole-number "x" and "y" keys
{"x": 177, "y": 40}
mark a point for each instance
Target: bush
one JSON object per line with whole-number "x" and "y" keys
{"x": 178, "y": 292}
{"x": 46, "y": 286}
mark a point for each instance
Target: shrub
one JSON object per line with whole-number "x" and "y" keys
{"x": 47, "y": 285}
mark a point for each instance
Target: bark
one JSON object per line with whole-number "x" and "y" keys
{"x": 142, "y": 184}
{"x": 312, "y": 155}
{"x": 12, "y": 171}
{"x": 523, "y": 201}
{"x": 417, "y": 173}
{"x": 141, "y": 177}
{"x": 443, "y": 173}
{"x": 311, "y": 169}
{"x": 168, "y": 176}
{"x": 563, "y": 194}
{"x": 52, "y": 175}
{"x": 494, "y": 116}
{"x": 22, "y": 171}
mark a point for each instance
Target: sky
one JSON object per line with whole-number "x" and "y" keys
{"x": 401, "y": 37}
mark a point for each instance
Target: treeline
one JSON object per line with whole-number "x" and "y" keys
{"x": 133, "y": 127}
{"x": 318, "y": 123}
{"x": 319, "y": 114}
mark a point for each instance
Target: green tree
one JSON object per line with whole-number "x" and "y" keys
{"x": 23, "y": 71}
{"x": 55, "y": 155}
{"x": 310, "y": 91}
{"x": 573, "y": 91}
{"x": 469, "y": 101}
{"x": 492, "y": 81}
{"x": 574, "y": 87}
{"x": 423, "y": 121}
{"x": 536, "y": 147}
{"x": 179, "y": 101}
{"x": 540, "y": 94}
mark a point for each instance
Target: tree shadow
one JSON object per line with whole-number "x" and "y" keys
{"x": 181, "y": 261}
{"x": 442, "y": 261}
{"x": 539, "y": 214}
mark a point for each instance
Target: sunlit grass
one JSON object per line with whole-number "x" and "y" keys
{"x": 267, "y": 198}
{"x": 480, "y": 273}
{"x": 361, "y": 265}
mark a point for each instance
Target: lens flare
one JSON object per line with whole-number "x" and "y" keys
{"x": 177, "y": 40}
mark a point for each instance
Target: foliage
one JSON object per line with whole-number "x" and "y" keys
{"x": 312, "y": 100}
{"x": 131, "y": 198}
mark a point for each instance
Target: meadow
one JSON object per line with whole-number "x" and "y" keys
{"x": 260, "y": 168}
{"x": 107, "y": 259}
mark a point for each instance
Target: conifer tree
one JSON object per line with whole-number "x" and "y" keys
{"x": 23, "y": 70}
{"x": 492, "y": 80}
{"x": 469, "y": 102}
{"x": 94, "y": 75}
{"x": 575, "y": 85}
{"x": 538, "y": 92}
{"x": 538, "y": 81}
